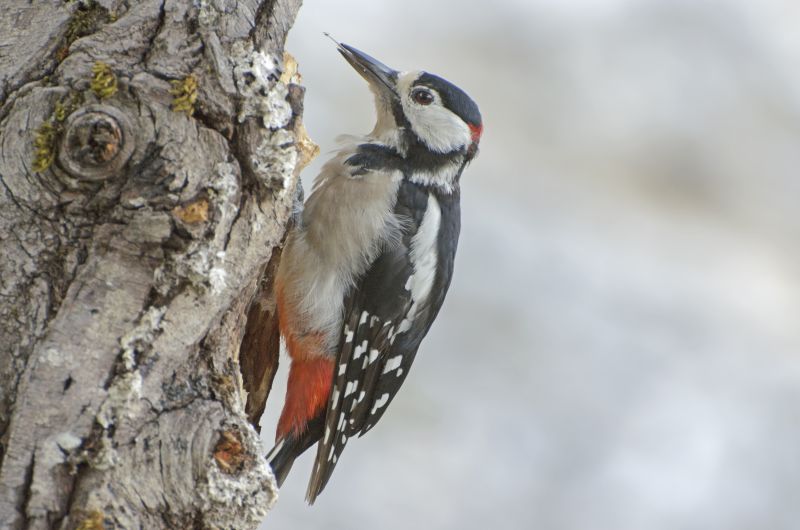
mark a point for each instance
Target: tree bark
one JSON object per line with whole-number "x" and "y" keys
{"x": 149, "y": 157}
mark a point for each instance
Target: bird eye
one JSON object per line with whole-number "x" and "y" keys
{"x": 423, "y": 97}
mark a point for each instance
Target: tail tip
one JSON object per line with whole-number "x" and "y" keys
{"x": 280, "y": 461}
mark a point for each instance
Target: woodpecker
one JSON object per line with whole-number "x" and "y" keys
{"x": 366, "y": 267}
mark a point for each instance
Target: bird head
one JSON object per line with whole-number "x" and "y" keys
{"x": 439, "y": 115}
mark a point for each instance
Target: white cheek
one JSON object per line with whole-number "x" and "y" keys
{"x": 441, "y": 130}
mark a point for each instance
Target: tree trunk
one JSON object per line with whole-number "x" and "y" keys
{"x": 149, "y": 154}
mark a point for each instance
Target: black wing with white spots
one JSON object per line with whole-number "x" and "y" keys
{"x": 384, "y": 325}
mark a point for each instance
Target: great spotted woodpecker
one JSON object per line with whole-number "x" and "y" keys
{"x": 367, "y": 266}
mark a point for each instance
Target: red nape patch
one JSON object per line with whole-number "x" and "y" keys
{"x": 307, "y": 393}
{"x": 476, "y": 131}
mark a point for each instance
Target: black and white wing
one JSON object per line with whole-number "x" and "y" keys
{"x": 386, "y": 316}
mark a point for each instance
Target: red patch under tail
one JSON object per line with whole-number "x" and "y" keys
{"x": 310, "y": 381}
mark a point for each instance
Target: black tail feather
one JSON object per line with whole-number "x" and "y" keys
{"x": 282, "y": 456}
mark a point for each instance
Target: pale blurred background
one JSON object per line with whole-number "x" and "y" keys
{"x": 620, "y": 348}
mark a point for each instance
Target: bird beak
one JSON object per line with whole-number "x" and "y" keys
{"x": 382, "y": 78}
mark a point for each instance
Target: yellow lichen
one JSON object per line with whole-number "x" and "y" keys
{"x": 67, "y": 106}
{"x": 44, "y": 152}
{"x": 185, "y": 94}
{"x": 94, "y": 521}
{"x": 44, "y": 140}
{"x": 60, "y": 114}
{"x": 104, "y": 82}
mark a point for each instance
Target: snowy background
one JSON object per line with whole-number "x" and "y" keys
{"x": 620, "y": 348}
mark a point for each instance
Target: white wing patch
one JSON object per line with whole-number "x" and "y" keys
{"x": 423, "y": 252}
{"x": 424, "y": 258}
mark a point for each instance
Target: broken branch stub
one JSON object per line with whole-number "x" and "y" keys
{"x": 97, "y": 142}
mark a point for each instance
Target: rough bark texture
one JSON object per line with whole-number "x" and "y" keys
{"x": 149, "y": 154}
